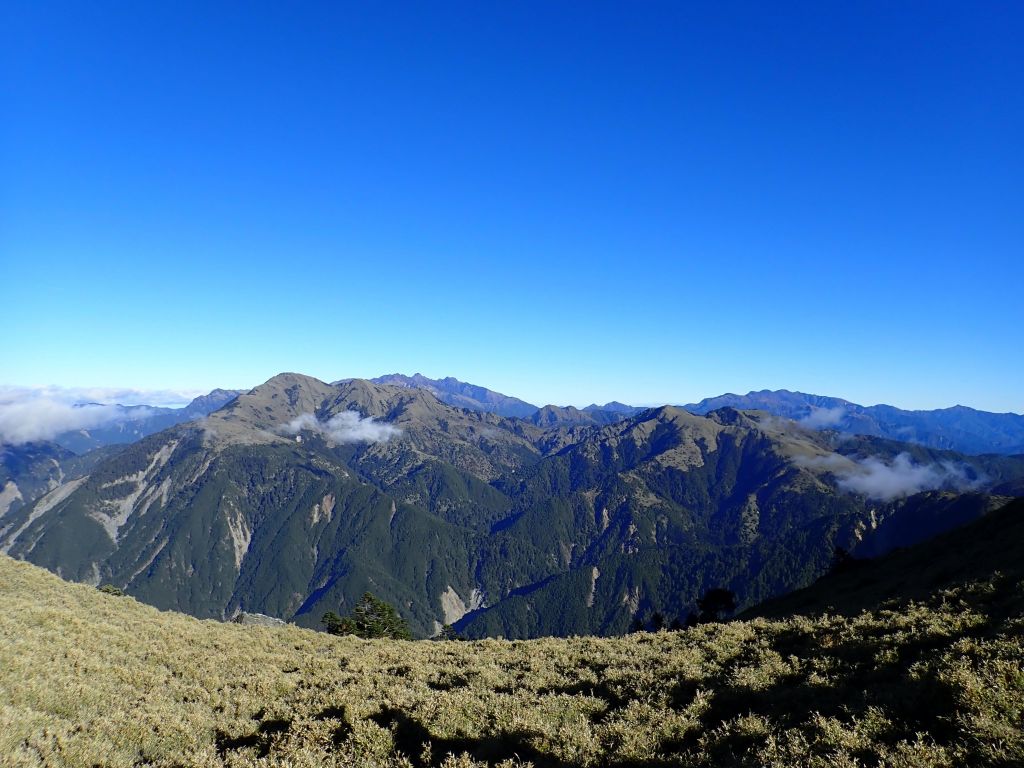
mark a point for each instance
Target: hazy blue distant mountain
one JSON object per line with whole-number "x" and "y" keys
{"x": 559, "y": 416}
{"x": 134, "y": 422}
{"x": 615, "y": 407}
{"x": 958, "y": 428}
{"x": 462, "y": 395}
{"x": 476, "y": 398}
{"x": 210, "y": 402}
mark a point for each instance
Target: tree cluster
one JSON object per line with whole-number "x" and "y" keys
{"x": 370, "y": 618}
{"x": 715, "y": 605}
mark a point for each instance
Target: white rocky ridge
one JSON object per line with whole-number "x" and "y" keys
{"x": 44, "y": 505}
{"x": 113, "y": 515}
{"x": 455, "y": 608}
{"x": 8, "y": 496}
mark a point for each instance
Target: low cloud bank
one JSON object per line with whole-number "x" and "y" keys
{"x": 344, "y": 427}
{"x": 821, "y": 418}
{"x": 874, "y": 478}
{"x": 163, "y": 398}
{"x": 43, "y": 419}
{"x": 29, "y": 414}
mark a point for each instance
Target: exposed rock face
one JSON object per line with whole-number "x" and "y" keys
{"x": 9, "y": 494}
{"x": 455, "y": 607}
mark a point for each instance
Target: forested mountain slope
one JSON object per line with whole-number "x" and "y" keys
{"x": 299, "y": 496}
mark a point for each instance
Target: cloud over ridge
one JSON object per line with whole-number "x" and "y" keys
{"x": 821, "y": 418}
{"x": 874, "y": 478}
{"x": 163, "y": 398}
{"x": 344, "y": 427}
{"x": 30, "y": 414}
{"x": 36, "y": 419}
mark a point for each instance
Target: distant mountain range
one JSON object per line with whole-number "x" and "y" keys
{"x": 129, "y": 423}
{"x": 31, "y": 470}
{"x": 958, "y": 428}
{"x": 298, "y": 496}
{"x": 476, "y": 398}
{"x": 462, "y": 395}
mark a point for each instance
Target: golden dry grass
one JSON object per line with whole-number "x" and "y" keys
{"x": 89, "y": 679}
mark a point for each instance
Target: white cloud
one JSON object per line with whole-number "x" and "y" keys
{"x": 167, "y": 398}
{"x": 44, "y": 419}
{"x": 344, "y": 427}
{"x": 820, "y": 418}
{"x": 28, "y": 414}
{"x": 874, "y": 478}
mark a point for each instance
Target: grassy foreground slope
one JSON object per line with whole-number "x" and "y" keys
{"x": 90, "y": 679}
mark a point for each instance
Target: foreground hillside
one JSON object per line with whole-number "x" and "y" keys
{"x": 90, "y": 679}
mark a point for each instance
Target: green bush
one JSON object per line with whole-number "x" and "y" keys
{"x": 716, "y": 604}
{"x": 371, "y": 618}
{"x": 448, "y": 632}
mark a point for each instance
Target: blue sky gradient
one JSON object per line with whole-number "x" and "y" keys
{"x": 568, "y": 202}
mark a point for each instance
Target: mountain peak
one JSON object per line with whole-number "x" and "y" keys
{"x": 462, "y": 394}
{"x": 212, "y": 401}
{"x": 289, "y": 378}
{"x": 379, "y": 400}
{"x": 613, "y": 407}
{"x": 267, "y": 407}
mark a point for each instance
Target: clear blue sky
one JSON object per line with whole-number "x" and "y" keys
{"x": 569, "y": 202}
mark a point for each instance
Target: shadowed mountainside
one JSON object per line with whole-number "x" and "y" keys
{"x": 993, "y": 544}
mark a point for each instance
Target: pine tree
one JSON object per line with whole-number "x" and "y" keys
{"x": 715, "y": 603}
{"x": 371, "y": 617}
{"x": 448, "y": 632}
